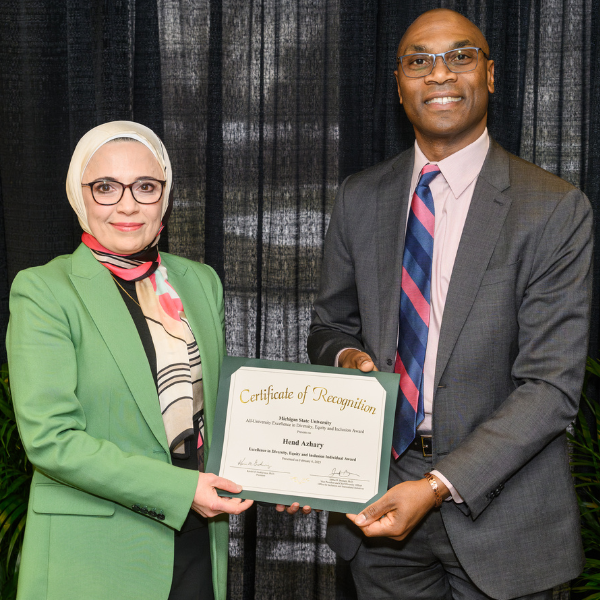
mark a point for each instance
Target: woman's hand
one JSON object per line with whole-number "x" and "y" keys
{"x": 209, "y": 504}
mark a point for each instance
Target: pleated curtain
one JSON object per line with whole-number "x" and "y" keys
{"x": 265, "y": 106}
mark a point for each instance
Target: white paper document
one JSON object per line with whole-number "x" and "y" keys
{"x": 303, "y": 433}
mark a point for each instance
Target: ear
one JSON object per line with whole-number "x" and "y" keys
{"x": 397, "y": 76}
{"x": 490, "y": 76}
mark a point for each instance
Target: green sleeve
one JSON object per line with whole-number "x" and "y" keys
{"x": 52, "y": 421}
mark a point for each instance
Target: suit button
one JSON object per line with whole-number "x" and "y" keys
{"x": 135, "y": 507}
{"x": 160, "y": 517}
{"x": 152, "y": 513}
{"x": 389, "y": 362}
{"x": 144, "y": 510}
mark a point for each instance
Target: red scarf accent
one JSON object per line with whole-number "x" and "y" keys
{"x": 147, "y": 259}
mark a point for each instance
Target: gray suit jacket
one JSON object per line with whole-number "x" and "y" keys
{"x": 510, "y": 361}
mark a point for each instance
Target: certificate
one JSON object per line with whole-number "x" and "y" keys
{"x": 302, "y": 433}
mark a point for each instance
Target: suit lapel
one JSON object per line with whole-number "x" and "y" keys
{"x": 485, "y": 220}
{"x": 392, "y": 207}
{"x": 110, "y": 315}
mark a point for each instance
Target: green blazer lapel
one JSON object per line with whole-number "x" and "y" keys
{"x": 485, "y": 219}
{"x": 392, "y": 207}
{"x": 108, "y": 311}
{"x": 204, "y": 321}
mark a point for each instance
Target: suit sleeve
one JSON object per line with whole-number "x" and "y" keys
{"x": 553, "y": 321}
{"x": 52, "y": 422}
{"x": 336, "y": 323}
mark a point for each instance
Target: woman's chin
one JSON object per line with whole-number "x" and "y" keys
{"x": 123, "y": 246}
{"x": 123, "y": 242}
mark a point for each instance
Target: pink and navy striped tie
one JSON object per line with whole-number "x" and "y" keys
{"x": 415, "y": 301}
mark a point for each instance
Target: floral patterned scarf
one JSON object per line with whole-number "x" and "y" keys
{"x": 178, "y": 363}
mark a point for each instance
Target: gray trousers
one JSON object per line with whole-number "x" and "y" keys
{"x": 421, "y": 567}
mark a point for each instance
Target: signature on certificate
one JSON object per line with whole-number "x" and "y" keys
{"x": 257, "y": 464}
{"x": 340, "y": 473}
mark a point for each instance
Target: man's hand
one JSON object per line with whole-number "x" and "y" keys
{"x": 209, "y": 504}
{"x": 400, "y": 510}
{"x": 355, "y": 359}
{"x": 294, "y": 508}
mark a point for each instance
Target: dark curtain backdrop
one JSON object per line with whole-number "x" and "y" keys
{"x": 265, "y": 106}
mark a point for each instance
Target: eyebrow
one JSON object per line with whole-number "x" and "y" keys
{"x": 141, "y": 178}
{"x": 425, "y": 49}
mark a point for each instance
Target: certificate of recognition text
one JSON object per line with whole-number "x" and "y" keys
{"x": 304, "y": 434}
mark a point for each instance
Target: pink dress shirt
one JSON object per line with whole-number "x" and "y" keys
{"x": 452, "y": 191}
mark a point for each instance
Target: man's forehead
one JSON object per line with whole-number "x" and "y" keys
{"x": 430, "y": 47}
{"x": 441, "y": 30}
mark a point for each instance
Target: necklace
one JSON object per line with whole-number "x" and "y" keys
{"x": 132, "y": 299}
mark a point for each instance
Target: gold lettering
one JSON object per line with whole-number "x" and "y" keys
{"x": 321, "y": 393}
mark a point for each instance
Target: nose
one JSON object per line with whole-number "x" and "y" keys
{"x": 440, "y": 73}
{"x": 127, "y": 205}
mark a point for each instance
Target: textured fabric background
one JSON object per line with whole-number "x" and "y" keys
{"x": 265, "y": 106}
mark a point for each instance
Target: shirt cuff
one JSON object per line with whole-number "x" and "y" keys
{"x": 454, "y": 495}
{"x": 337, "y": 356}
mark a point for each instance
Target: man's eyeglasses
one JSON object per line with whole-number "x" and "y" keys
{"x": 460, "y": 60}
{"x": 144, "y": 191}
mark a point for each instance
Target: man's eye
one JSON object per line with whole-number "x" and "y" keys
{"x": 419, "y": 61}
{"x": 462, "y": 57}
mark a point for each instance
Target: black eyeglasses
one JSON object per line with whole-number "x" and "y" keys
{"x": 460, "y": 60}
{"x": 144, "y": 191}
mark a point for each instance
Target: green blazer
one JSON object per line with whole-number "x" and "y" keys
{"x": 89, "y": 417}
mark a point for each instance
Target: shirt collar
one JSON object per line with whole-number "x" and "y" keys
{"x": 459, "y": 169}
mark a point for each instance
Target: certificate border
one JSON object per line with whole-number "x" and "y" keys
{"x": 390, "y": 383}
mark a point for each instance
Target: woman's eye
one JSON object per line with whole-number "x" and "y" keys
{"x": 103, "y": 188}
{"x": 146, "y": 186}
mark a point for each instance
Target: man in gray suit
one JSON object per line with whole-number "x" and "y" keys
{"x": 506, "y": 345}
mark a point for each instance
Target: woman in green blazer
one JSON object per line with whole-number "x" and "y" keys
{"x": 114, "y": 353}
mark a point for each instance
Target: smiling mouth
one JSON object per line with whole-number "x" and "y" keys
{"x": 444, "y": 100}
{"x": 126, "y": 226}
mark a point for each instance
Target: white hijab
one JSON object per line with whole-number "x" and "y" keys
{"x": 97, "y": 137}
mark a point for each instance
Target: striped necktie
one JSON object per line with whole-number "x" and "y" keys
{"x": 415, "y": 299}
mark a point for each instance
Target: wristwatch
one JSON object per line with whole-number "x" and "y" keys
{"x": 434, "y": 486}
